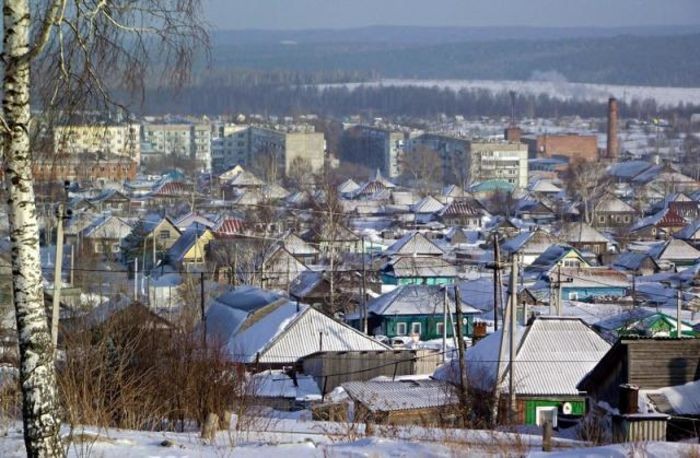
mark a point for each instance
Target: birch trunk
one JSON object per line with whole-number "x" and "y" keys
{"x": 40, "y": 406}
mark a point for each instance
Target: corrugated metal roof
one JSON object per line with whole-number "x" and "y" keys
{"x": 417, "y": 266}
{"x": 416, "y": 300}
{"x": 581, "y": 233}
{"x": 428, "y": 204}
{"x": 302, "y": 336}
{"x": 555, "y": 354}
{"x": 413, "y": 243}
{"x": 401, "y": 395}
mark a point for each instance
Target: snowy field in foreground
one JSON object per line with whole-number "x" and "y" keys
{"x": 560, "y": 89}
{"x": 122, "y": 443}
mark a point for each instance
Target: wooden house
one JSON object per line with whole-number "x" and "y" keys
{"x": 583, "y": 237}
{"x": 191, "y": 247}
{"x": 553, "y": 354}
{"x": 462, "y": 212}
{"x": 414, "y": 310}
{"x": 415, "y": 270}
{"x": 528, "y": 245}
{"x": 611, "y": 213}
{"x": 648, "y": 363}
{"x": 264, "y": 330}
{"x": 406, "y": 402}
{"x": 675, "y": 254}
{"x": 104, "y": 236}
{"x": 660, "y": 225}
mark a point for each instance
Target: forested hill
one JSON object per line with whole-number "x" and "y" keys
{"x": 653, "y": 57}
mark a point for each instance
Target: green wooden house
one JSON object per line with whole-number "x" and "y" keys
{"x": 553, "y": 355}
{"x": 409, "y": 270}
{"x": 415, "y": 310}
{"x": 643, "y": 322}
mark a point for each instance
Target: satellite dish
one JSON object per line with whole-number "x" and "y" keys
{"x": 567, "y": 408}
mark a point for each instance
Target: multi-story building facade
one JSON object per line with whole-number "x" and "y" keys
{"x": 465, "y": 161}
{"x": 498, "y": 160}
{"x": 374, "y": 148}
{"x": 190, "y": 140}
{"x": 453, "y": 152}
{"x": 119, "y": 140}
{"x": 248, "y": 145}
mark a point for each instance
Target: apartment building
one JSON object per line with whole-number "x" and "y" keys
{"x": 466, "y": 161}
{"x": 498, "y": 160}
{"x": 191, "y": 140}
{"x": 373, "y": 147}
{"x": 118, "y": 140}
{"x": 246, "y": 145}
{"x": 453, "y": 152}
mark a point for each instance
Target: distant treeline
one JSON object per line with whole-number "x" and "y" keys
{"x": 290, "y": 100}
{"x": 623, "y": 59}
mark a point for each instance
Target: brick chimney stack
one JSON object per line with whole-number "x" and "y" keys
{"x": 613, "y": 149}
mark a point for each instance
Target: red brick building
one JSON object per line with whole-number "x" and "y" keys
{"x": 571, "y": 146}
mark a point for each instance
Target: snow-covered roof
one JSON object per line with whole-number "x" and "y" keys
{"x": 674, "y": 250}
{"x": 420, "y": 266}
{"x": 277, "y": 384}
{"x": 581, "y": 233}
{"x": 416, "y": 300}
{"x": 666, "y": 217}
{"x": 677, "y": 400}
{"x": 281, "y": 332}
{"x": 545, "y": 186}
{"x": 689, "y": 232}
{"x": 428, "y": 204}
{"x": 554, "y": 354}
{"x": 400, "y": 395}
{"x": 348, "y": 186}
{"x": 414, "y": 243}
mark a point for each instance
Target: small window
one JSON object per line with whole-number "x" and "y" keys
{"x": 601, "y": 219}
{"x": 440, "y": 328}
{"x": 401, "y": 329}
{"x": 415, "y": 329}
{"x": 164, "y": 235}
{"x": 627, "y": 218}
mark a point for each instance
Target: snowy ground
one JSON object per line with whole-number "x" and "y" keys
{"x": 554, "y": 87}
{"x": 307, "y": 441}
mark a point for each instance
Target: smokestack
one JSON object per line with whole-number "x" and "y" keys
{"x": 613, "y": 142}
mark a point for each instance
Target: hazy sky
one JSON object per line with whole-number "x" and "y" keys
{"x": 297, "y": 14}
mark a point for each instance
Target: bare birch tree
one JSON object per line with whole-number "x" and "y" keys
{"x": 586, "y": 182}
{"x": 67, "y": 56}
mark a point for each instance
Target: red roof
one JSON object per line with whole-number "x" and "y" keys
{"x": 173, "y": 188}
{"x": 671, "y": 219}
{"x": 229, "y": 226}
{"x": 461, "y": 207}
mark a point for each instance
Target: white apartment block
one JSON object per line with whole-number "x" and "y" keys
{"x": 120, "y": 140}
{"x": 499, "y": 160}
{"x": 180, "y": 139}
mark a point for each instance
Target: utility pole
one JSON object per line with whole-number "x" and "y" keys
{"x": 364, "y": 289}
{"x": 559, "y": 290}
{"x": 444, "y": 324}
{"x": 55, "y": 315}
{"x": 460, "y": 348}
{"x": 496, "y": 281}
{"x": 679, "y": 303}
{"x": 201, "y": 305}
{"x": 513, "y": 325}
{"x": 136, "y": 278}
